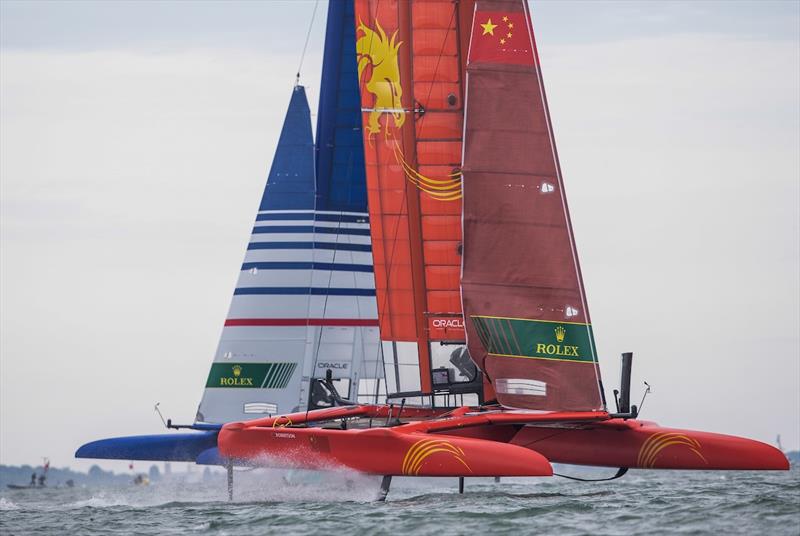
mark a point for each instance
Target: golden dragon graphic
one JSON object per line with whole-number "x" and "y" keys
{"x": 378, "y": 51}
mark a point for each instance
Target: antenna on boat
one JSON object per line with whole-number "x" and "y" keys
{"x": 646, "y": 392}
{"x": 159, "y": 415}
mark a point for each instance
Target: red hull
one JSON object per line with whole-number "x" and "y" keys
{"x": 466, "y": 442}
{"x": 645, "y": 445}
{"x": 380, "y": 451}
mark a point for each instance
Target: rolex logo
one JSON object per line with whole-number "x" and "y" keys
{"x": 560, "y": 333}
{"x": 236, "y": 380}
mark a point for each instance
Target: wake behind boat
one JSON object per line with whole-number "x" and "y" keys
{"x": 411, "y": 301}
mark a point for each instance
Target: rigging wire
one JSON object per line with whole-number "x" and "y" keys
{"x": 327, "y": 294}
{"x": 330, "y": 280}
{"x": 313, "y": 225}
{"x": 305, "y": 46}
{"x": 644, "y": 396}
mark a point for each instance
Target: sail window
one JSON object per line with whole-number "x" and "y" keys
{"x": 520, "y": 386}
{"x": 260, "y": 407}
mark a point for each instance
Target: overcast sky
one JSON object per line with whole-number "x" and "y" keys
{"x": 135, "y": 140}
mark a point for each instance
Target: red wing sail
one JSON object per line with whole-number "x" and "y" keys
{"x": 528, "y": 326}
{"x": 410, "y": 66}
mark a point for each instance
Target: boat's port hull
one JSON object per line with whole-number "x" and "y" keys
{"x": 382, "y": 451}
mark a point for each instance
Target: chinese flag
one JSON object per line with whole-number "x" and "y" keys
{"x": 500, "y": 37}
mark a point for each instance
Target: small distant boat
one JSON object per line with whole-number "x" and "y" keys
{"x": 141, "y": 480}
{"x": 68, "y": 484}
{"x": 36, "y": 482}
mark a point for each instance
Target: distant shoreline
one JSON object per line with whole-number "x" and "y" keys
{"x": 21, "y": 474}
{"x": 95, "y": 476}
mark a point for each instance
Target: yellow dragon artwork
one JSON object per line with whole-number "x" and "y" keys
{"x": 376, "y": 49}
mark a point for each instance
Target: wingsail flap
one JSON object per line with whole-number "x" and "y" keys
{"x": 527, "y": 322}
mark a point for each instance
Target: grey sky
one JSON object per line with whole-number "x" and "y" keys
{"x": 135, "y": 140}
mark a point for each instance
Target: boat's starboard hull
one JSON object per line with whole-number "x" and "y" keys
{"x": 645, "y": 445}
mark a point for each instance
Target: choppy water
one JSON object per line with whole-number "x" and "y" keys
{"x": 643, "y": 502}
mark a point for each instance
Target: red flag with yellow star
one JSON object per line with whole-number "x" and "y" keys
{"x": 501, "y": 37}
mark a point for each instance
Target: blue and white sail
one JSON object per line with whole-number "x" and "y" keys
{"x": 304, "y": 302}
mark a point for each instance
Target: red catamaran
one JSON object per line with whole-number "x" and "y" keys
{"x": 489, "y": 361}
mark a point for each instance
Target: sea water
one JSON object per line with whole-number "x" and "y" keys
{"x": 275, "y": 502}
